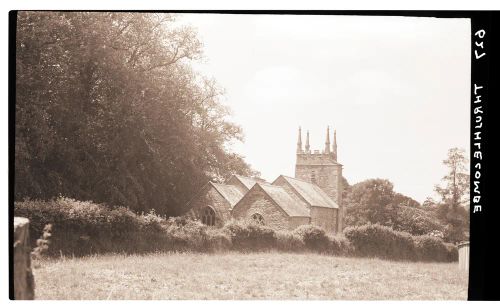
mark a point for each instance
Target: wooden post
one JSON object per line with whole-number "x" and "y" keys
{"x": 24, "y": 283}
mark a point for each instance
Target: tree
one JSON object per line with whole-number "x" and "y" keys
{"x": 370, "y": 201}
{"x": 374, "y": 201}
{"x": 453, "y": 195}
{"x": 108, "y": 109}
{"x": 401, "y": 199}
{"x": 456, "y": 181}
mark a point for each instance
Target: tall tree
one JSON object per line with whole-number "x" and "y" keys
{"x": 456, "y": 181}
{"x": 108, "y": 109}
{"x": 453, "y": 193}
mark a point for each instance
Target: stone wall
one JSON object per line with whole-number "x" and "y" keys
{"x": 24, "y": 283}
{"x": 325, "y": 176}
{"x": 211, "y": 197}
{"x": 256, "y": 201}
{"x": 294, "y": 222}
{"x": 325, "y": 218}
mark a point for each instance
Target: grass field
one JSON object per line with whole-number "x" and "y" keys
{"x": 246, "y": 276}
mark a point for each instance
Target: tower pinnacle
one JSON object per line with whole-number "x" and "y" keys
{"x": 327, "y": 143}
{"x": 334, "y": 146}
{"x": 299, "y": 141}
{"x": 307, "y": 147}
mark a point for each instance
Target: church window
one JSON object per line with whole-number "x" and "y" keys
{"x": 208, "y": 216}
{"x": 258, "y": 218}
{"x": 313, "y": 177}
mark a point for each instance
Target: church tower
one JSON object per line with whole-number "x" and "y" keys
{"x": 321, "y": 168}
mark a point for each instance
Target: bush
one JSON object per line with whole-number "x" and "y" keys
{"x": 340, "y": 245}
{"x": 81, "y": 228}
{"x": 217, "y": 240}
{"x": 415, "y": 221}
{"x": 314, "y": 238}
{"x": 452, "y": 252}
{"x": 381, "y": 241}
{"x": 288, "y": 241}
{"x": 434, "y": 249}
{"x": 250, "y": 236}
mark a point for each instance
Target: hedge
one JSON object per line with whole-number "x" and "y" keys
{"x": 373, "y": 240}
{"x": 81, "y": 228}
{"x": 250, "y": 236}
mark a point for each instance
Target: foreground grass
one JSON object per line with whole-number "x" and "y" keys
{"x": 246, "y": 276}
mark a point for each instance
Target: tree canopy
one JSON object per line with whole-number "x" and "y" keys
{"x": 108, "y": 109}
{"x": 374, "y": 201}
{"x": 451, "y": 209}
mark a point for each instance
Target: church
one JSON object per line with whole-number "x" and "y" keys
{"x": 313, "y": 196}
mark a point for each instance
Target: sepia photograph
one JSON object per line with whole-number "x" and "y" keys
{"x": 240, "y": 156}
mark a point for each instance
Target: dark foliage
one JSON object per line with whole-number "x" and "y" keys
{"x": 250, "y": 236}
{"x": 373, "y": 240}
{"x": 314, "y": 238}
{"x": 108, "y": 110}
{"x": 374, "y": 202}
{"x": 380, "y": 241}
{"x": 82, "y": 228}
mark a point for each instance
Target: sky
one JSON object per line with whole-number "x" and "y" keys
{"x": 396, "y": 90}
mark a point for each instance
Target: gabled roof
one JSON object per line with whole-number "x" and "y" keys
{"x": 311, "y": 193}
{"x": 246, "y": 181}
{"x": 292, "y": 206}
{"x": 229, "y": 192}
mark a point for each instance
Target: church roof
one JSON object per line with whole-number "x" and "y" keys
{"x": 246, "y": 181}
{"x": 229, "y": 192}
{"x": 292, "y": 206}
{"x": 311, "y": 193}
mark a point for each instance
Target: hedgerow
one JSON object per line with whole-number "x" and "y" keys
{"x": 82, "y": 228}
{"x": 250, "y": 236}
{"x": 374, "y": 240}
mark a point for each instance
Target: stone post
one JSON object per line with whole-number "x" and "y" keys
{"x": 24, "y": 283}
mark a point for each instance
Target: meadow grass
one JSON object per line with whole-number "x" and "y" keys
{"x": 246, "y": 276}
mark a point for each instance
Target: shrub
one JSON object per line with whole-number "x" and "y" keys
{"x": 340, "y": 245}
{"x": 187, "y": 237}
{"x": 314, "y": 238}
{"x": 42, "y": 244}
{"x": 246, "y": 236}
{"x": 415, "y": 221}
{"x": 82, "y": 228}
{"x": 433, "y": 249}
{"x": 288, "y": 241}
{"x": 452, "y": 252}
{"x": 217, "y": 240}
{"x": 384, "y": 242}
{"x": 381, "y": 241}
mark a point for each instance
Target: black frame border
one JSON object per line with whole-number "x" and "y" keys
{"x": 483, "y": 262}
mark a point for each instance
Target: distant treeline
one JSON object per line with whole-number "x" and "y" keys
{"x": 109, "y": 110}
{"x": 374, "y": 201}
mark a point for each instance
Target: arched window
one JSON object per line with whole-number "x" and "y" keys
{"x": 257, "y": 218}
{"x": 208, "y": 216}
